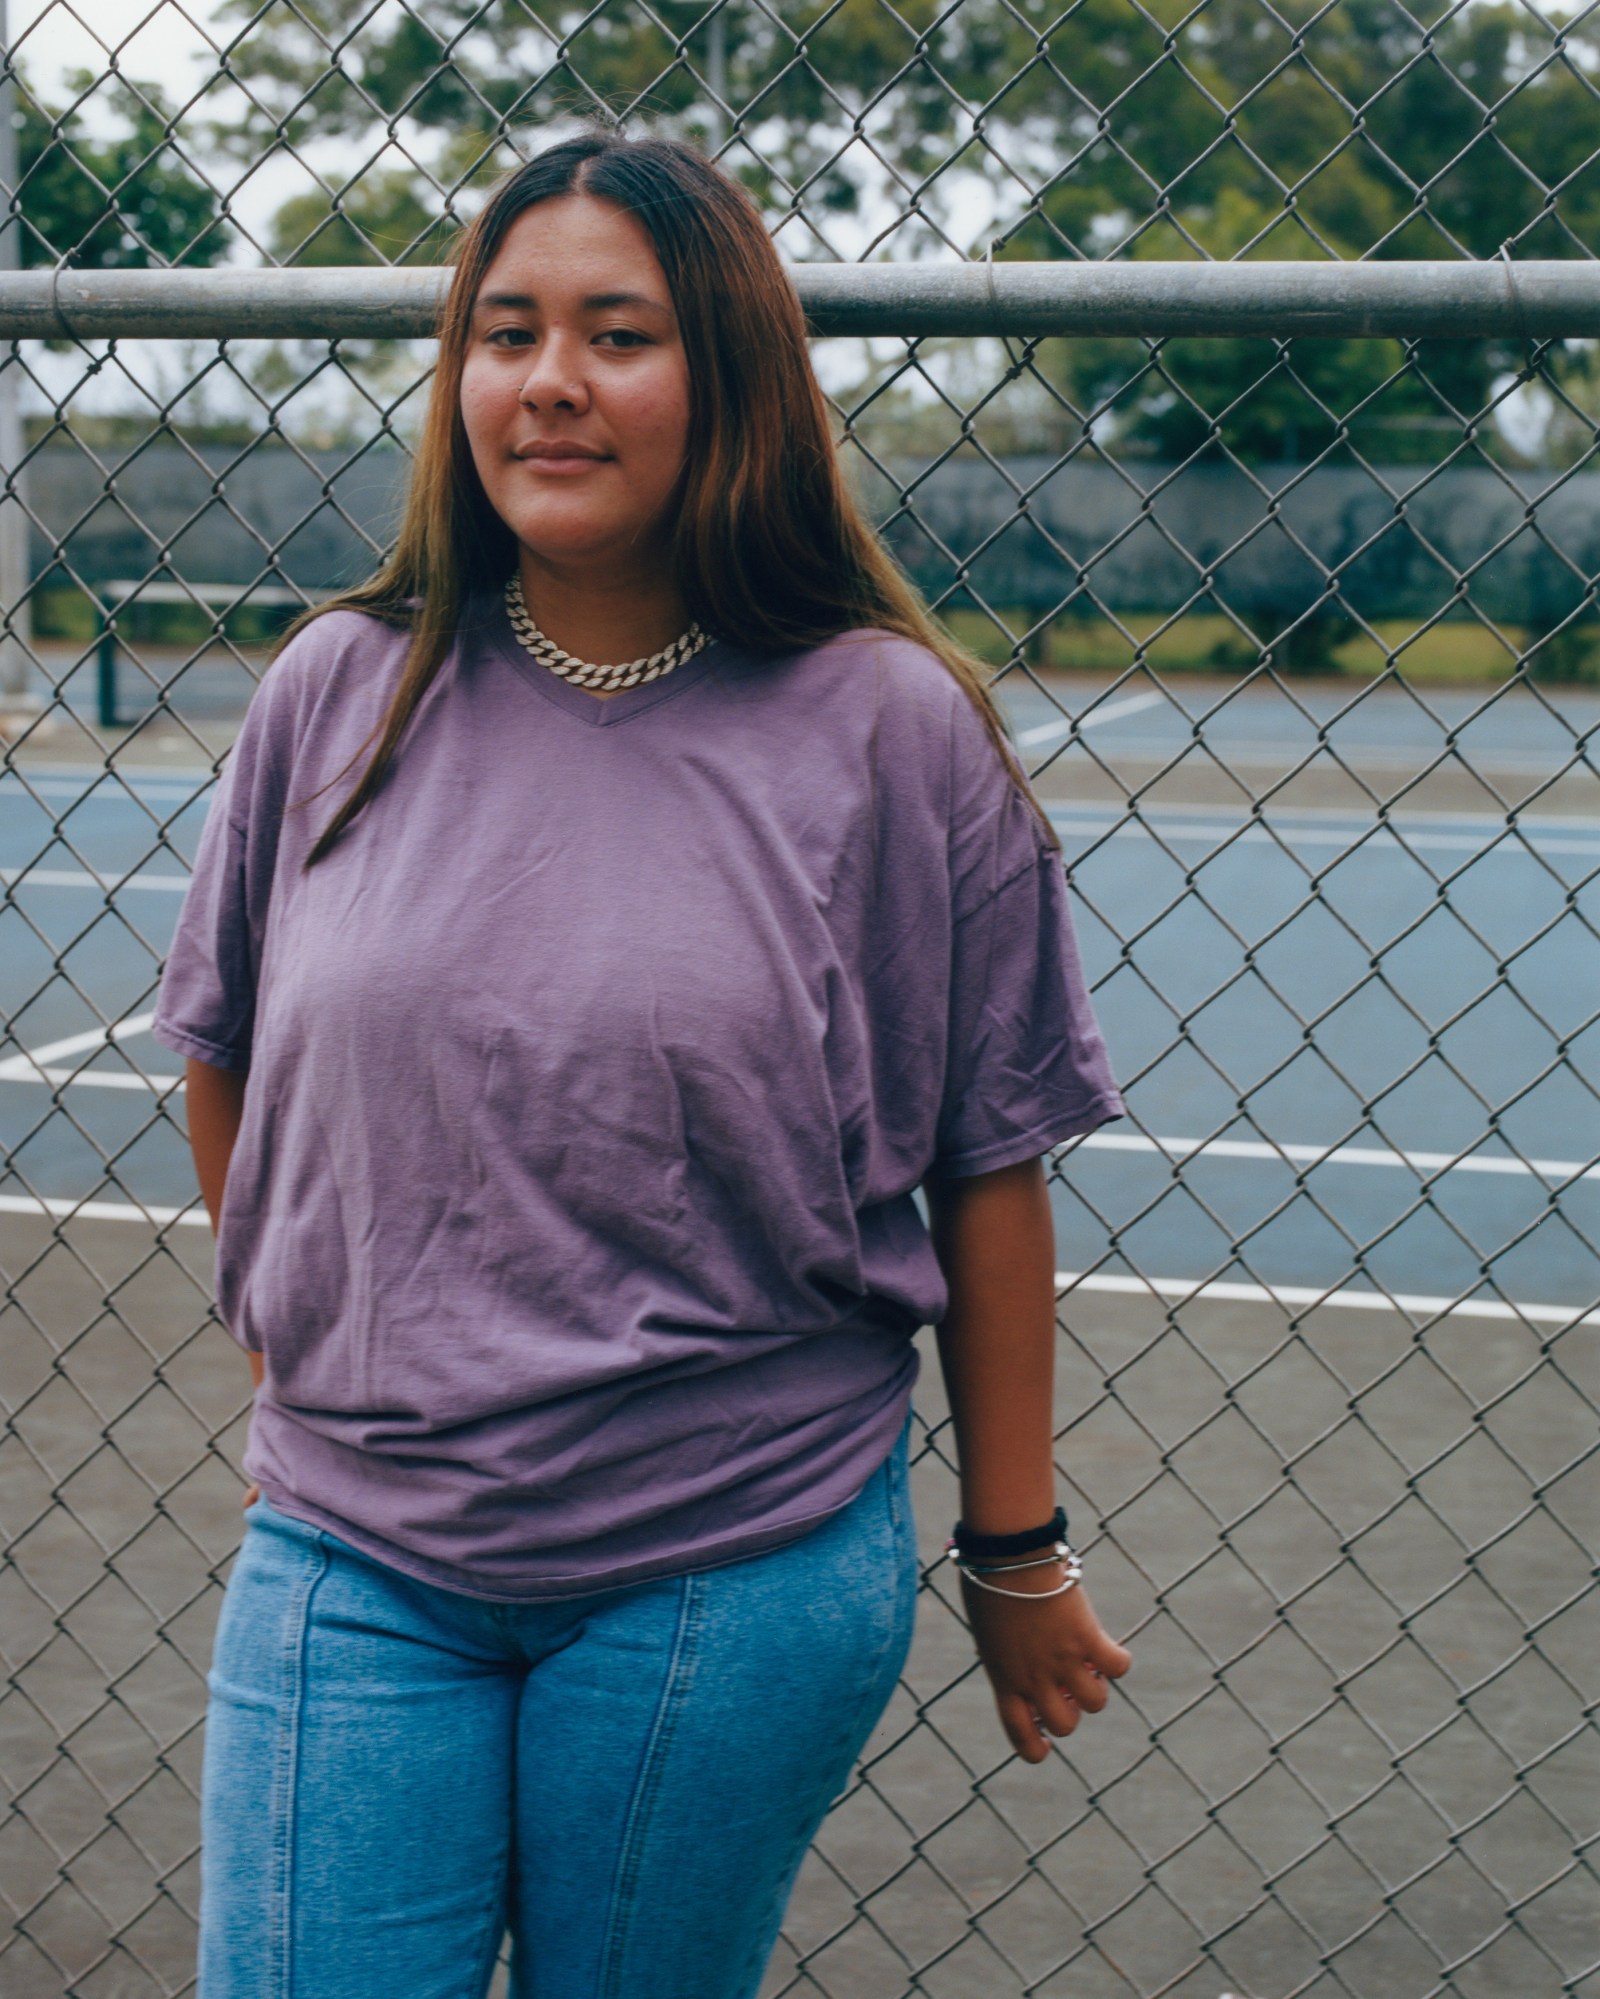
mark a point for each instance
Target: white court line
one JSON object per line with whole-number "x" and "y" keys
{"x": 1051, "y": 732}
{"x": 1519, "y": 848}
{"x": 1416, "y": 1304}
{"x": 1345, "y": 815}
{"x": 1506, "y": 844}
{"x": 91, "y": 1079}
{"x": 1338, "y": 1155}
{"x": 96, "y": 791}
{"x": 79, "y": 878}
{"x": 94, "y": 1037}
{"x": 33, "y": 1065}
{"x": 1249, "y": 754}
{"x": 101, "y": 1211}
{"x": 1187, "y": 1290}
{"x": 124, "y": 773}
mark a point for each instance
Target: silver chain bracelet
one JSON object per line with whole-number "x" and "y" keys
{"x": 1057, "y": 1554}
{"x": 1068, "y": 1557}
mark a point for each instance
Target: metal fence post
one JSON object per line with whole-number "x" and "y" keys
{"x": 105, "y": 668}
{"x": 15, "y": 622}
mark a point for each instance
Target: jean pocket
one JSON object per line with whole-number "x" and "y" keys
{"x": 277, "y": 1552}
{"x": 266, "y": 1517}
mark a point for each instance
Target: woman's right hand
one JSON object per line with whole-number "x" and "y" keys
{"x": 251, "y": 1497}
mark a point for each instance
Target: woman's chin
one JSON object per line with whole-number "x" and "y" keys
{"x": 564, "y": 542}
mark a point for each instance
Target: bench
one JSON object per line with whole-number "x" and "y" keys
{"x": 119, "y": 591}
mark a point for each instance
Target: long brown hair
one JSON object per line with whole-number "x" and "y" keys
{"x": 771, "y": 550}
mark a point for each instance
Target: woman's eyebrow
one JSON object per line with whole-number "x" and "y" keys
{"x": 595, "y": 302}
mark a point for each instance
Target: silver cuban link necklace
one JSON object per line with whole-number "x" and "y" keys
{"x": 634, "y": 673}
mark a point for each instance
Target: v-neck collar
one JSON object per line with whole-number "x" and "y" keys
{"x": 578, "y": 701}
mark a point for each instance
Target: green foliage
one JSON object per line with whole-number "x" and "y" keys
{"x": 1303, "y": 129}
{"x": 1343, "y": 132}
{"x": 381, "y": 220}
{"x": 1568, "y": 655}
{"x": 1131, "y": 128}
{"x": 111, "y": 204}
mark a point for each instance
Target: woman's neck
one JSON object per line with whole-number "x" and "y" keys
{"x": 605, "y": 621}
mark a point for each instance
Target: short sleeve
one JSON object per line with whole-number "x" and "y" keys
{"x": 207, "y": 999}
{"x": 1027, "y": 1066}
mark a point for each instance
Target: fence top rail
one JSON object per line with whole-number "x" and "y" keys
{"x": 1532, "y": 300}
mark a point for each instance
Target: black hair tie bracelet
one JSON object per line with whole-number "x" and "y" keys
{"x": 979, "y": 1547}
{"x": 978, "y": 1556}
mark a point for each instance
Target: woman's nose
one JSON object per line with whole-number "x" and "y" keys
{"x": 555, "y": 377}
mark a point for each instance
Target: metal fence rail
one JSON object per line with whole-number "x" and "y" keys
{"x": 1225, "y": 375}
{"x": 1537, "y": 300}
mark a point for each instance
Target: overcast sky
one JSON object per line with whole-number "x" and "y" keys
{"x": 162, "y": 43}
{"x": 157, "y": 42}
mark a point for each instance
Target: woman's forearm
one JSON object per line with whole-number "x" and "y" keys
{"x": 216, "y": 1106}
{"x": 996, "y": 1246}
{"x": 1048, "y": 1658}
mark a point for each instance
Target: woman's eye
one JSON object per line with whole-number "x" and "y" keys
{"x": 520, "y": 336}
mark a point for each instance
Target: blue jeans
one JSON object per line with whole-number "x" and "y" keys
{"x": 395, "y": 1773}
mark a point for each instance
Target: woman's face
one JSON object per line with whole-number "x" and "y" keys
{"x": 574, "y": 343}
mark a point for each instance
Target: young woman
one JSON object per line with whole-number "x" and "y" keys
{"x": 566, "y": 1044}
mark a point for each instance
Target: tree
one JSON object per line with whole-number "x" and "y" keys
{"x": 1297, "y": 132}
{"x": 111, "y": 204}
{"x": 381, "y": 220}
{"x": 1156, "y": 130}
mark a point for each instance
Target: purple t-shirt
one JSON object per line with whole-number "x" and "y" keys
{"x": 590, "y": 1078}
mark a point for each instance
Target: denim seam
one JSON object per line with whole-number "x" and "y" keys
{"x": 679, "y": 1677}
{"x": 285, "y": 1780}
{"x": 751, "y": 1970}
{"x": 897, "y": 1538}
{"x": 489, "y": 1949}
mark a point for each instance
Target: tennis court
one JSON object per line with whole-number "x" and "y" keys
{"x": 1328, "y": 1378}
{"x": 1450, "y": 962}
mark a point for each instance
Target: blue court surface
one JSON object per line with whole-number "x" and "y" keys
{"x": 1360, "y": 1053}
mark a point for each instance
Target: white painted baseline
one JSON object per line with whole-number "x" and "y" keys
{"x": 1052, "y": 732}
{"x": 32, "y": 1065}
{"x": 1337, "y": 1155}
{"x": 102, "y": 1211}
{"x": 36, "y": 1066}
{"x": 1180, "y": 1289}
{"x": 1190, "y": 1290}
{"x": 81, "y": 878}
{"x": 1508, "y": 842}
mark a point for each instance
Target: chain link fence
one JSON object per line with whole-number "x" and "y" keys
{"x": 1295, "y": 625}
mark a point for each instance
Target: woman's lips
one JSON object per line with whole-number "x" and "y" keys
{"x": 572, "y": 463}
